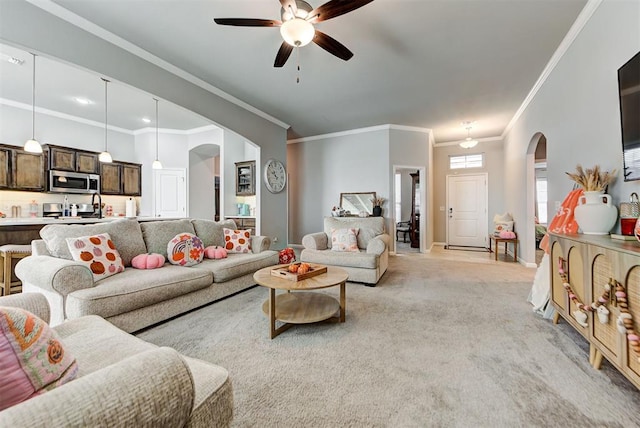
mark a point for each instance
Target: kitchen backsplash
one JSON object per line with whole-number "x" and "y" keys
{"x": 8, "y": 199}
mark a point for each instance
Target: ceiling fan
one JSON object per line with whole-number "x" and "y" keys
{"x": 296, "y": 26}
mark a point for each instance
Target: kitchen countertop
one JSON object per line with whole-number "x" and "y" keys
{"x": 30, "y": 221}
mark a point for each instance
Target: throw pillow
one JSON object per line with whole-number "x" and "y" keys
{"x": 34, "y": 360}
{"x": 98, "y": 252}
{"x": 344, "y": 240}
{"x": 237, "y": 241}
{"x": 148, "y": 261}
{"x": 185, "y": 249}
{"x": 503, "y": 226}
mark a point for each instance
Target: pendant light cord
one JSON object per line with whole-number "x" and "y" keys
{"x": 105, "y": 113}
{"x": 156, "y": 100}
{"x": 33, "y": 101}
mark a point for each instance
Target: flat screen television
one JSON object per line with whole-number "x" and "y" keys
{"x": 629, "y": 89}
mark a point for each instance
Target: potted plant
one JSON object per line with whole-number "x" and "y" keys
{"x": 377, "y": 206}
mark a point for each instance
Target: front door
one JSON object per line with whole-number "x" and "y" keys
{"x": 170, "y": 190}
{"x": 467, "y": 210}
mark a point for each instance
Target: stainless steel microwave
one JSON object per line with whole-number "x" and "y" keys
{"x": 73, "y": 182}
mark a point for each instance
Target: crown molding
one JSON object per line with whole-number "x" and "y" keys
{"x": 360, "y": 131}
{"x": 564, "y": 46}
{"x": 65, "y": 116}
{"x": 90, "y": 27}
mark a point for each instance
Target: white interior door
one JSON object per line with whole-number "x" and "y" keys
{"x": 467, "y": 210}
{"x": 170, "y": 193}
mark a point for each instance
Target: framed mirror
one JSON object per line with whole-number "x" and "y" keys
{"x": 356, "y": 202}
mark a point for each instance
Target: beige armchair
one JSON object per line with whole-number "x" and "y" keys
{"x": 368, "y": 264}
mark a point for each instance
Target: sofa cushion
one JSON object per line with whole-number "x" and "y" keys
{"x": 211, "y": 232}
{"x": 360, "y": 259}
{"x": 98, "y": 253}
{"x": 134, "y": 289}
{"x": 185, "y": 249}
{"x": 344, "y": 240}
{"x": 370, "y": 227}
{"x": 237, "y": 241}
{"x": 157, "y": 234}
{"x": 237, "y": 265}
{"x": 126, "y": 235}
{"x": 34, "y": 359}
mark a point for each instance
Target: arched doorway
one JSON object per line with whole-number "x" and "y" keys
{"x": 537, "y": 208}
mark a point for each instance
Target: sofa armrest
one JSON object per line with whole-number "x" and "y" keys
{"x": 316, "y": 241}
{"x": 39, "y": 248}
{"x": 379, "y": 244}
{"x": 53, "y": 274}
{"x": 153, "y": 388}
{"x": 35, "y": 303}
{"x": 260, "y": 244}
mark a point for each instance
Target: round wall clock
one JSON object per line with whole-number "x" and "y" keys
{"x": 275, "y": 175}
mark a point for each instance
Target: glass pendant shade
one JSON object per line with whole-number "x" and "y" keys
{"x": 156, "y": 163}
{"x": 105, "y": 156}
{"x": 468, "y": 142}
{"x": 297, "y": 32}
{"x": 32, "y": 145}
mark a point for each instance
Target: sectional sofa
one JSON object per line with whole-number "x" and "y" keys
{"x": 135, "y": 299}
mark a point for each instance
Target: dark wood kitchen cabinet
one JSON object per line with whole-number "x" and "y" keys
{"x": 20, "y": 170}
{"x": 110, "y": 178}
{"x": 67, "y": 159}
{"x": 131, "y": 179}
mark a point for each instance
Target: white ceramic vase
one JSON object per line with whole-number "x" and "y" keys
{"x": 595, "y": 214}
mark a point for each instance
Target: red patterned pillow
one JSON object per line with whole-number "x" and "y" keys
{"x": 99, "y": 254}
{"x": 33, "y": 360}
{"x": 237, "y": 241}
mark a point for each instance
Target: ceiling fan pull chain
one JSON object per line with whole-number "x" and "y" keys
{"x": 298, "y": 63}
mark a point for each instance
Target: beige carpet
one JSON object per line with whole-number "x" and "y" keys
{"x": 437, "y": 343}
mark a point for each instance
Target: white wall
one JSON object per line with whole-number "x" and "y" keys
{"x": 493, "y": 158}
{"x": 577, "y": 110}
{"x": 15, "y": 129}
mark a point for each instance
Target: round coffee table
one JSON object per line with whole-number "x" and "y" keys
{"x": 302, "y": 306}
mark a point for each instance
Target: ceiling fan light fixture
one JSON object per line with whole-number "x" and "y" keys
{"x": 297, "y": 32}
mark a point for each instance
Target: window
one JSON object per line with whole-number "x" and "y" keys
{"x": 541, "y": 199}
{"x": 398, "y": 197}
{"x": 466, "y": 161}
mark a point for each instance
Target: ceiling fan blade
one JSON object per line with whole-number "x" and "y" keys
{"x": 332, "y": 46}
{"x": 283, "y": 54}
{"x": 248, "y": 22}
{"x": 289, "y": 3}
{"x": 334, "y": 8}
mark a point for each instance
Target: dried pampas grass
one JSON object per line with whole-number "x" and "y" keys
{"x": 592, "y": 179}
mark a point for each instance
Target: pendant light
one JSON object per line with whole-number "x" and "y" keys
{"x": 32, "y": 145}
{"x": 156, "y": 163}
{"x": 105, "y": 156}
{"x": 468, "y": 142}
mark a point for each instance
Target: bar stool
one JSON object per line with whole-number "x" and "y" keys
{"x": 9, "y": 253}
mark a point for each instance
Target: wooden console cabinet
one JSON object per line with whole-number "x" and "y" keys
{"x": 591, "y": 262}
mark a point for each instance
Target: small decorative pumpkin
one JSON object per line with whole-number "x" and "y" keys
{"x": 148, "y": 261}
{"x": 215, "y": 252}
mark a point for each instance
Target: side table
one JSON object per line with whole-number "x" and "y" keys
{"x": 498, "y": 240}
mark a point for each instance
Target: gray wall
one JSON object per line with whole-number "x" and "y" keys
{"x": 201, "y": 185}
{"x": 48, "y": 35}
{"x": 493, "y": 158}
{"x": 363, "y": 161}
{"x": 577, "y": 110}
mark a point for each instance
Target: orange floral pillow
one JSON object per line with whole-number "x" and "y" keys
{"x": 237, "y": 241}
{"x": 185, "y": 249}
{"x": 99, "y": 254}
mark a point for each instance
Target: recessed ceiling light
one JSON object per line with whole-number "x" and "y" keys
{"x": 83, "y": 101}
{"x": 146, "y": 120}
{"x": 11, "y": 59}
